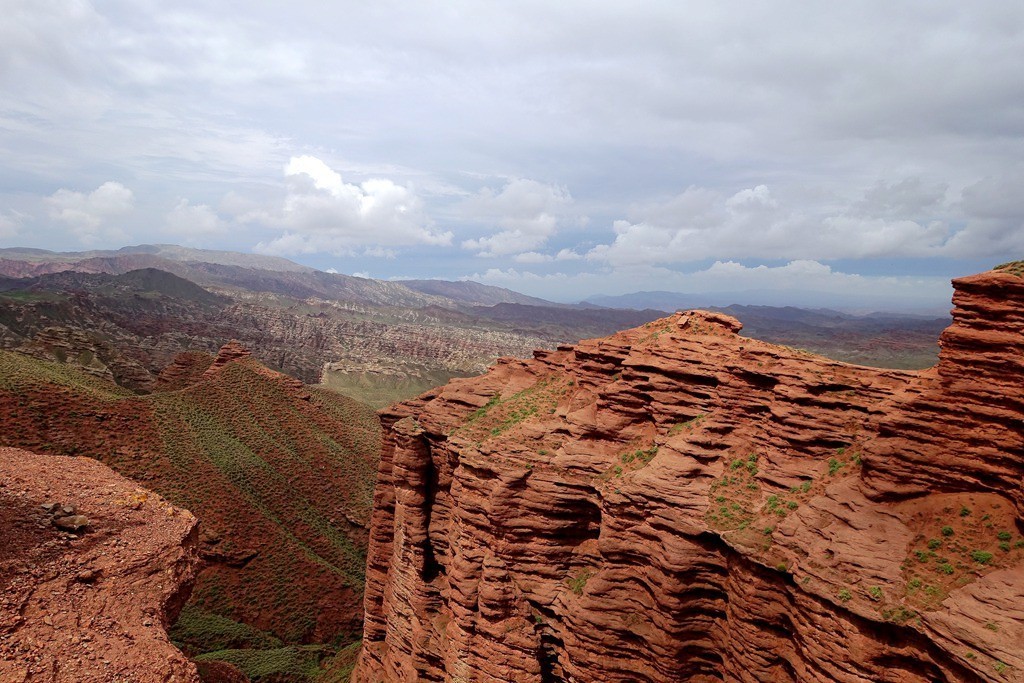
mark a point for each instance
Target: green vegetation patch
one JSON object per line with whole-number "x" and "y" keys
{"x": 200, "y": 631}
{"x": 297, "y": 663}
{"x": 500, "y": 415}
{"x": 338, "y": 669}
{"x": 20, "y": 373}
{"x": 1013, "y": 268}
{"x": 578, "y": 583}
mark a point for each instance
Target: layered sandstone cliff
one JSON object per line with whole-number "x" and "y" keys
{"x": 678, "y": 503}
{"x": 93, "y": 569}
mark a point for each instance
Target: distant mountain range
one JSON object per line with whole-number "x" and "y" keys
{"x": 676, "y": 301}
{"x": 110, "y": 354}
{"x": 124, "y": 314}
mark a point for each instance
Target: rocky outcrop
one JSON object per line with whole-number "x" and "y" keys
{"x": 92, "y": 605}
{"x": 962, "y": 428}
{"x": 231, "y": 351}
{"x": 90, "y": 353}
{"x": 679, "y": 503}
{"x": 186, "y": 369}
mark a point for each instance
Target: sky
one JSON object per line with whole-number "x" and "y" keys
{"x": 563, "y": 149}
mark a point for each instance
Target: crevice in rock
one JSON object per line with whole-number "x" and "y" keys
{"x": 547, "y": 656}
{"x": 431, "y": 567}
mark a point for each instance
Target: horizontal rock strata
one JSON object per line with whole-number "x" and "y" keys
{"x": 679, "y": 503}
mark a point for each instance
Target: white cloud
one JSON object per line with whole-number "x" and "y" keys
{"x": 890, "y": 221}
{"x": 8, "y": 226}
{"x": 528, "y": 213}
{"x": 323, "y": 213}
{"x": 994, "y": 219}
{"x": 531, "y": 257}
{"x": 191, "y": 221}
{"x": 89, "y": 215}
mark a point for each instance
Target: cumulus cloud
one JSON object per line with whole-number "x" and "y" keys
{"x": 192, "y": 221}
{"x": 994, "y": 217}
{"x": 89, "y": 214}
{"x": 904, "y": 219}
{"x": 532, "y": 257}
{"x": 323, "y": 213}
{"x": 528, "y": 213}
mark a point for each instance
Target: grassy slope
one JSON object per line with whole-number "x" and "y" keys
{"x": 280, "y": 476}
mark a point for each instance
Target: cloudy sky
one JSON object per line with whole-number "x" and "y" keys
{"x": 558, "y": 148}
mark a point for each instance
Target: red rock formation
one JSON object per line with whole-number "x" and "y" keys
{"x": 93, "y": 606}
{"x": 233, "y": 350}
{"x": 186, "y": 369}
{"x": 678, "y": 503}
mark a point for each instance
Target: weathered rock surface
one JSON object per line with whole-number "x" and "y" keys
{"x": 679, "y": 503}
{"x": 92, "y": 607}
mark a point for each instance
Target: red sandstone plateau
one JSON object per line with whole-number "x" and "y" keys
{"x": 86, "y": 594}
{"x": 678, "y": 503}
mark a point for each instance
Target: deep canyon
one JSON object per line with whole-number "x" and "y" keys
{"x": 673, "y": 502}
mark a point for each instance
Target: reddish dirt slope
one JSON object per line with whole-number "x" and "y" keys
{"x": 677, "y": 503}
{"x": 94, "y": 605}
{"x": 280, "y": 474}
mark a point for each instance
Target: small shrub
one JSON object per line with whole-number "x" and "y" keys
{"x": 875, "y": 592}
{"x": 578, "y": 582}
{"x": 792, "y": 505}
{"x": 947, "y": 531}
{"x": 991, "y": 627}
{"x": 934, "y": 544}
{"x": 899, "y": 615}
{"x": 781, "y": 566}
{"x": 1004, "y": 535}
{"x": 844, "y": 595}
{"x": 1000, "y": 667}
{"x": 981, "y": 556}
{"x": 964, "y": 511}
{"x": 946, "y": 568}
{"x": 1004, "y": 546}
{"x": 834, "y": 465}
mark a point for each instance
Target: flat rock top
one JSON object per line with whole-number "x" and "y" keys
{"x": 91, "y": 605}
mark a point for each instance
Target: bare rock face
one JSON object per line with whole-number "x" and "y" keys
{"x": 90, "y": 603}
{"x": 186, "y": 369}
{"x": 233, "y": 350}
{"x": 678, "y": 503}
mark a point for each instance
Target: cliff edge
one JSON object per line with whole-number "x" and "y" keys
{"x": 679, "y": 503}
{"x": 93, "y": 570}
